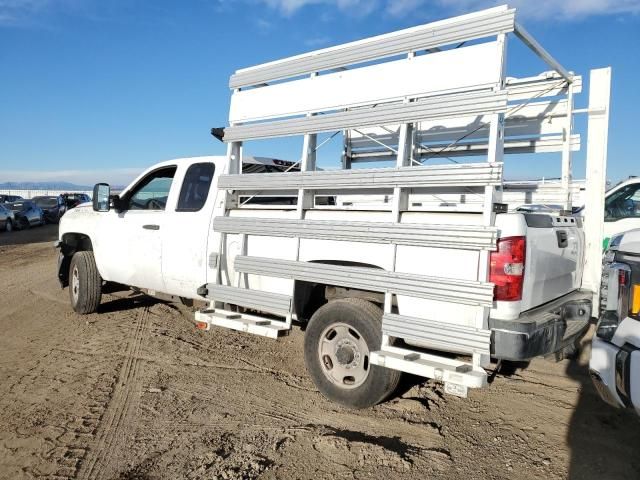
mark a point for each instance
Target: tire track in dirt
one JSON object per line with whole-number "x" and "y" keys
{"x": 121, "y": 408}
{"x": 73, "y": 451}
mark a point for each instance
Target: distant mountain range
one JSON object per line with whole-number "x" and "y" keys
{"x": 43, "y": 186}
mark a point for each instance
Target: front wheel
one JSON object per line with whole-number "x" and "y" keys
{"x": 8, "y": 226}
{"x": 85, "y": 283}
{"x": 338, "y": 343}
{"x": 24, "y": 223}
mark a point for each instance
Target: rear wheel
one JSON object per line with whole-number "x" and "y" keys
{"x": 85, "y": 283}
{"x": 338, "y": 343}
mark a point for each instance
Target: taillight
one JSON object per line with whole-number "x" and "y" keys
{"x": 635, "y": 301}
{"x": 618, "y": 299}
{"x": 507, "y": 268}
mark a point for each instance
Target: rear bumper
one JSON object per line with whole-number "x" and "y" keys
{"x": 615, "y": 372}
{"x": 543, "y": 330}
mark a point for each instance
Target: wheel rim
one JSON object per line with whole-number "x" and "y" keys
{"x": 9, "y": 226}
{"x": 75, "y": 284}
{"x": 344, "y": 356}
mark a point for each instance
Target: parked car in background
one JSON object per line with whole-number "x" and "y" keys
{"x": 26, "y": 213}
{"x": 615, "y": 352}
{"x": 7, "y": 219}
{"x": 72, "y": 200}
{"x": 10, "y": 198}
{"x": 53, "y": 207}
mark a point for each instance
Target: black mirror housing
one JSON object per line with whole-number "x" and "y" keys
{"x": 101, "y": 197}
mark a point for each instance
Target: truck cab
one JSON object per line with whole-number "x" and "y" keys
{"x": 156, "y": 233}
{"x": 615, "y": 353}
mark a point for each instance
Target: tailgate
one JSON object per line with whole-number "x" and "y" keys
{"x": 554, "y": 258}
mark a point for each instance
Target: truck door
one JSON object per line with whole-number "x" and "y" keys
{"x": 184, "y": 245}
{"x": 132, "y": 254}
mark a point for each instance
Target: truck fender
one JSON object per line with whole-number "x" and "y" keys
{"x": 309, "y": 297}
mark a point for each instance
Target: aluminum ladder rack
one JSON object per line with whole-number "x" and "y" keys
{"x": 382, "y": 95}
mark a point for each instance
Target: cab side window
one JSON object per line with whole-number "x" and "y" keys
{"x": 152, "y": 191}
{"x": 195, "y": 187}
{"x": 625, "y": 203}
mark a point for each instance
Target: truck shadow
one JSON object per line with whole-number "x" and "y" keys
{"x": 120, "y": 304}
{"x": 604, "y": 441}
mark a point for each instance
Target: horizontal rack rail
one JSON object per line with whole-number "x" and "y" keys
{"x": 433, "y": 35}
{"x": 540, "y": 87}
{"x": 438, "y": 335}
{"x": 424, "y": 235}
{"x": 441, "y": 106}
{"x": 464, "y": 292}
{"x": 256, "y": 299}
{"x": 550, "y": 144}
{"x": 471, "y": 174}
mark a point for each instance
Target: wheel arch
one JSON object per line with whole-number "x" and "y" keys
{"x": 310, "y": 296}
{"x": 71, "y": 243}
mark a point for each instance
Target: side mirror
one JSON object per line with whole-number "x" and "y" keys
{"x": 101, "y": 193}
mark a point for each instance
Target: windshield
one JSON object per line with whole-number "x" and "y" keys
{"x": 623, "y": 203}
{"x": 46, "y": 202}
{"x": 17, "y": 207}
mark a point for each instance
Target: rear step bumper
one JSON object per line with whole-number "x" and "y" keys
{"x": 544, "y": 330}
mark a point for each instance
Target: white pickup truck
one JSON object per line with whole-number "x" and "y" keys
{"x": 158, "y": 236}
{"x": 615, "y": 350}
{"x": 413, "y": 283}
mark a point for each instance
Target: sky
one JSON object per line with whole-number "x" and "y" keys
{"x": 99, "y": 90}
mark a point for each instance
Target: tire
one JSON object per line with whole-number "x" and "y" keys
{"x": 85, "y": 283}
{"x": 337, "y": 346}
{"x": 8, "y": 226}
{"x": 24, "y": 223}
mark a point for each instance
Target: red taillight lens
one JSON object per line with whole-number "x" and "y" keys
{"x": 622, "y": 278}
{"x": 507, "y": 268}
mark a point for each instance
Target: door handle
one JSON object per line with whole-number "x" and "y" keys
{"x": 151, "y": 227}
{"x": 563, "y": 238}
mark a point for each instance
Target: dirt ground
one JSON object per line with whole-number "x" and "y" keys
{"x": 136, "y": 392}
